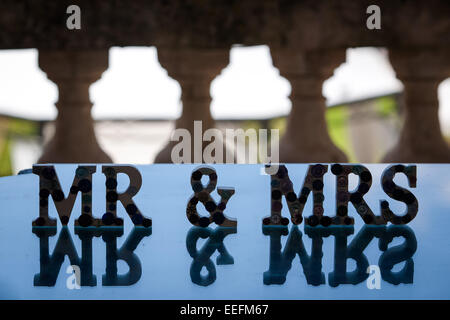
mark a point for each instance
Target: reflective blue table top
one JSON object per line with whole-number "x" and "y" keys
{"x": 174, "y": 260}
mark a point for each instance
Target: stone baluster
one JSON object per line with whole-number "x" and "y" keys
{"x": 74, "y": 137}
{"x": 421, "y": 71}
{"x": 306, "y": 138}
{"x": 194, "y": 69}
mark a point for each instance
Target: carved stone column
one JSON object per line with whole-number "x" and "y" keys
{"x": 73, "y": 72}
{"x": 194, "y": 69}
{"x": 306, "y": 138}
{"x": 421, "y": 71}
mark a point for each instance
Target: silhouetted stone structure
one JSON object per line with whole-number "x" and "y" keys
{"x": 307, "y": 40}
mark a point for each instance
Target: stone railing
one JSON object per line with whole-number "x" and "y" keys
{"x": 307, "y": 40}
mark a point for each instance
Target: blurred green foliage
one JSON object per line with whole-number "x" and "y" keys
{"x": 337, "y": 118}
{"x": 337, "y": 121}
{"x": 386, "y": 107}
{"x": 10, "y": 130}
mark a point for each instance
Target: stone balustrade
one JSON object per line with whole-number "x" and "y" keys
{"x": 74, "y": 137}
{"x": 307, "y": 41}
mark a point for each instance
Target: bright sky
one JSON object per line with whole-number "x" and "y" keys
{"x": 135, "y": 85}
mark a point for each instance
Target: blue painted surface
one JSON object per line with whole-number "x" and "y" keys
{"x": 166, "y": 264}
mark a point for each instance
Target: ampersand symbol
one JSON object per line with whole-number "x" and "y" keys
{"x": 202, "y": 257}
{"x": 203, "y": 194}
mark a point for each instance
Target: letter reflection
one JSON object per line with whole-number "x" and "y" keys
{"x": 125, "y": 253}
{"x": 281, "y": 260}
{"x": 50, "y": 265}
{"x": 202, "y": 257}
